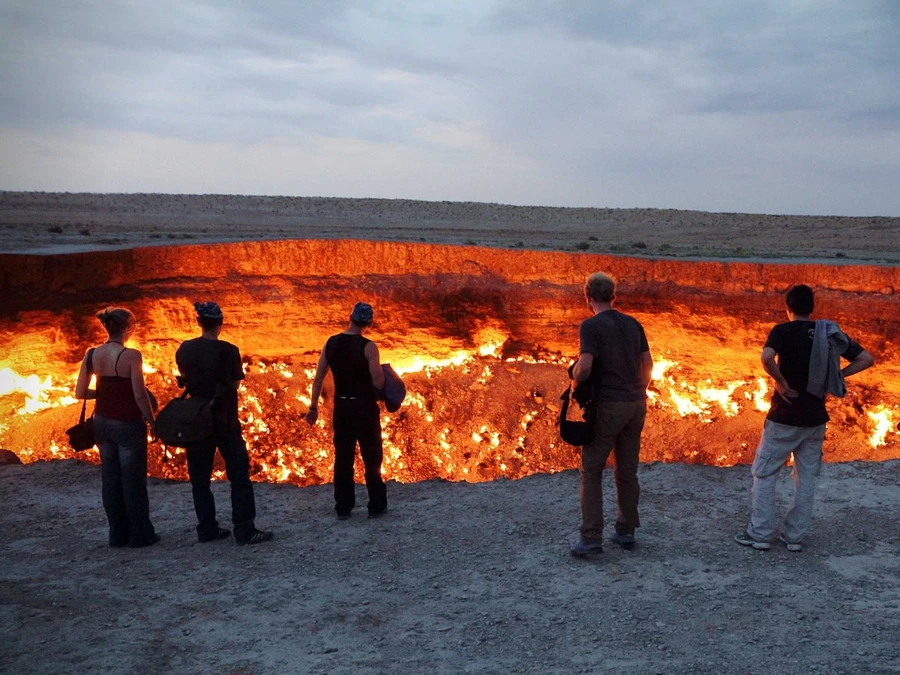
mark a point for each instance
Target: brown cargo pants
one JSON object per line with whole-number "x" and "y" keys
{"x": 618, "y": 425}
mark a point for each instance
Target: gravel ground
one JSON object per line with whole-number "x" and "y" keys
{"x": 457, "y": 578}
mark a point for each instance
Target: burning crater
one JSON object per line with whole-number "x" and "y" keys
{"x": 483, "y": 337}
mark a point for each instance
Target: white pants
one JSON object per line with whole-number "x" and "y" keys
{"x": 778, "y": 442}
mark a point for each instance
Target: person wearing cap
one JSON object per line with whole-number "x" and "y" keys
{"x": 356, "y": 367}
{"x": 211, "y": 368}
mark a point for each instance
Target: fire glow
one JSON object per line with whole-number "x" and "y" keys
{"x": 484, "y": 355}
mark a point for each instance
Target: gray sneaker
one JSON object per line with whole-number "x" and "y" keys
{"x": 581, "y": 548}
{"x": 626, "y": 541}
{"x": 792, "y": 546}
{"x": 745, "y": 539}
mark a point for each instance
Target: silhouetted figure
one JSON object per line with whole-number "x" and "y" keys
{"x": 121, "y": 416}
{"x": 804, "y": 358}
{"x": 615, "y": 363}
{"x": 211, "y": 368}
{"x": 354, "y": 362}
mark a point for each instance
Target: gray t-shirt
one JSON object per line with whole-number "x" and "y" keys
{"x": 616, "y": 342}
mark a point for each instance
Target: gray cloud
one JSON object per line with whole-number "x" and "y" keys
{"x": 602, "y": 101}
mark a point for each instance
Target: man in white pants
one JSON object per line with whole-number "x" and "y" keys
{"x": 803, "y": 357}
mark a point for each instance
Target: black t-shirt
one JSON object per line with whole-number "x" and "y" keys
{"x": 616, "y": 342}
{"x": 208, "y": 367}
{"x": 347, "y": 360}
{"x": 792, "y": 342}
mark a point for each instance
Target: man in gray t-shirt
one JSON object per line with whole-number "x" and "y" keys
{"x": 614, "y": 357}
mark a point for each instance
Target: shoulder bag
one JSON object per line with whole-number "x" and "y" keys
{"x": 81, "y": 436}
{"x": 185, "y": 420}
{"x": 576, "y": 433}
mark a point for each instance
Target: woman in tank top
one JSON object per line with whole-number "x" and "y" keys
{"x": 121, "y": 416}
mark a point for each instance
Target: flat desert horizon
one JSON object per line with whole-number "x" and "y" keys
{"x": 457, "y": 577}
{"x": 46, "y": 222}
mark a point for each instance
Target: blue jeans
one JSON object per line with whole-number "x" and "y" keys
{"x": 123, "y": 468}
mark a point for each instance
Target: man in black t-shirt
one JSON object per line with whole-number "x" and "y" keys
{"x": 211, "y": 368}
{"x": 615, "y": 359}
{"x": 355, "y": 364}
{"x": 801, "y": 356}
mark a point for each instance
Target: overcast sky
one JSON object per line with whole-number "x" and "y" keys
{"x": 788, "y": 106}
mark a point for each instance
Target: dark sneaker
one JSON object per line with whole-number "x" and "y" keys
{"x": 377, "y": 514}
{"x": 745, "y": 539}
{"x": 626, "y": 541}
{"x": 581, "y": 548}
{"x": 221, "y": 534}
{"x": 792, "y": 546}
{"x": 141, "y": 544}
{"x": 255, "y": 537}
{"x": 344, "y": 516}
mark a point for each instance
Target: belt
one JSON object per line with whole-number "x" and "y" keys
{"x": 348, "y": 398}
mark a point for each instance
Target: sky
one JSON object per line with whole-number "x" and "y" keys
{"x": 785, "y": 106}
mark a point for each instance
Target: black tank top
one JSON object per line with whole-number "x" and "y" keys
{"x": 347, "y": 360}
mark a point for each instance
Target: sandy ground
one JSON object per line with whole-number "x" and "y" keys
{"x": 458, "y": 578}
{"x": 39, "y": 222}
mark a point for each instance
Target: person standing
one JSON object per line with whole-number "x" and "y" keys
{"x": 804, "y": 358}
{"x": 615, "y": 364}
{"x": 121, "y": 416}
{"x": 356, "y": 367}
{"x": 211, "y": 368}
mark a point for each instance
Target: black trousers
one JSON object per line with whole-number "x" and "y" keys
{"x": 200, "y": 458}
{"x": 357, "y": 421}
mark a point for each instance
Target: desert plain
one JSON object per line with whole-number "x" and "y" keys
{"x": 458, "y": 577}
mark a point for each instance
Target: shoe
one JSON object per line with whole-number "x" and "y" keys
{"x": 141, "y": 544}
{"x": 745, "y": 539}
{"x": 256, "y": 537}
{"x": 221, "y": 534}
{"x": 377, "y": 514}
{"x": 581, "y": 548}
{"x": 792, "y": 546}
{"x": 626, "y": 541}
{"x": 344, "y": 516}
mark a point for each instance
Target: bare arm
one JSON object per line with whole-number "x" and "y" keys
{"x": 135, "y": 364}
{"x": 582, "y": 370}
{"x": 84, "y": 381}
{"x": 374, "y": 359}
{"x": 771, "y": 367}
{"x": 321, "y": 370}
{"x": 861, "y": 362}
{"x": 646, "y": 369}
